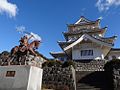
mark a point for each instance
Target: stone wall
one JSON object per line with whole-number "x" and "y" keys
{"x": 90, "y": 65}
{"x": 56, "y": 77}
{"x": 21, "y": 59}
{"x": 90, "y": 75}
{"x": 116, "y": 79}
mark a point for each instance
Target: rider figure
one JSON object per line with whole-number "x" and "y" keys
{"x": 24, "y": 42}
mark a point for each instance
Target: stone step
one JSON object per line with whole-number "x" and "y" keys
{"x": 86, "y": 87}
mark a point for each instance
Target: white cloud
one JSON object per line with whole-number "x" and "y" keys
{"x": 9, "y": 8}
{"x": 104, "y": 5}
{"x": 100, "y": 18}
{"x": 22, "y": 30}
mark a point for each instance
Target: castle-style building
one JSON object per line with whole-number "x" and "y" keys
{"x": 85, "y": 40}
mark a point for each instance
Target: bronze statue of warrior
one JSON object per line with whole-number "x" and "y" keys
{"x": 24, "y": 40}
{"x": 25, "y": 46}
{"x": 24, "y": 43}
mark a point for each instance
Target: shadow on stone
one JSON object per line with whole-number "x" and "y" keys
{"x": 96, "y": 79}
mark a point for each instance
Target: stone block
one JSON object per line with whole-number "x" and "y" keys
{"x": 20, "y": 77}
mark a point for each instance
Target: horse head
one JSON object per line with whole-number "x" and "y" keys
{"x": 37, "y": 43}
{"x": 32, "y": 46}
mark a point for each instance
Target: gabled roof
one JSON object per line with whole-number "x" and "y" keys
{"x": 63, "y": 44}
{"x": 90, "y": 38}
{"x": 108, "y": 39}
{"x": 57, "y": 54}
{"x": 84, "y": 21}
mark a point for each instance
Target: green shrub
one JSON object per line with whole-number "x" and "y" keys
{"x": 68, "y": 63}
{"x": 113, "y": 64}
{"x": 51, "y": 63}
{"x": 58, "y": 63}
{"x": 109, "y": 68}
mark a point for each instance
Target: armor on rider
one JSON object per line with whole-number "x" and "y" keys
{"x": 24, "y": 41}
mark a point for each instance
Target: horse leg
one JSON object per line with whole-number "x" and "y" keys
{"x": 32, "y": 51}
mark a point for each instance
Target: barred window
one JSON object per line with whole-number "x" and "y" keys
{"x": 86, "y": 52}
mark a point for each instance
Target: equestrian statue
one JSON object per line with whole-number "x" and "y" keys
{"x": 25, "y": 46}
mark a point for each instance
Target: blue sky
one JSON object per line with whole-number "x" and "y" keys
{"x": 48, "y": 18}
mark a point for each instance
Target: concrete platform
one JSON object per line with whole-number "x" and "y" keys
{"x": 20, "y": 78}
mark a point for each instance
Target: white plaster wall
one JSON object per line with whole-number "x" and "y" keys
{"x": 22, "y": 78}
{"x": 97, "y": 52}
{"x": 35, "y": 79}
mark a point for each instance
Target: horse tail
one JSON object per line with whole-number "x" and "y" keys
{"x": 13, "y": 50}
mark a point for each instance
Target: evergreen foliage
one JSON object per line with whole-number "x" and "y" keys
{"x": 51, "y": 63}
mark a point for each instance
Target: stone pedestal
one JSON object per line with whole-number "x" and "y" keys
{"x": 20, "y": 78}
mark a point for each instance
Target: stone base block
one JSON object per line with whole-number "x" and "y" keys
{"x": 20, "y": 78}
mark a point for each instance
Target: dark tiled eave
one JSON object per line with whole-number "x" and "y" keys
{"x": 102, "y": 30}
{"x": 75, "y": 33}
{"x": 101, "y": 39}
{"x": 115, "y": 49}
{"x": 57, "y": 54}
{"x": 60, "y": 42}
{"x": 110, "y": 37}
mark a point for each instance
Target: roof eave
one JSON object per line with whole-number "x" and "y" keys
{"x": 86, "y": 35}
{"x": 56, "y": 54}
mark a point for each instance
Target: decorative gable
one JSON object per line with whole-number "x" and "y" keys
{"x": 82, "y": 20}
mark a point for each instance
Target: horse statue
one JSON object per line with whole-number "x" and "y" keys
{"x": 25, "y": 47}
